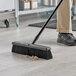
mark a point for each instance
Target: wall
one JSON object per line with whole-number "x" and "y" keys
{"x": 6, "y": 5}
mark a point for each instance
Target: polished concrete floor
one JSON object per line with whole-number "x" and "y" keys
{"x": 11, "y": 64}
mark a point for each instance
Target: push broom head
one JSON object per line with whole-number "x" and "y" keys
{"x": 32, "y": 50}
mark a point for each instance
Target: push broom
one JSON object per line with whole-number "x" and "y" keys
{"x": 34, "y": 49}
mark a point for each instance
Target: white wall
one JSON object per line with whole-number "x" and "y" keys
{"x": 6, "y": 5}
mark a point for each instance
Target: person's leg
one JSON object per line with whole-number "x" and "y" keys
{"x": 75, "y": 2}
{"x": 64, "y": 24}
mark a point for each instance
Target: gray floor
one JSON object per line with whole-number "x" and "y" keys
{"x": 62, "y": 64}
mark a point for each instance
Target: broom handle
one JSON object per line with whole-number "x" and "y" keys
{"x": 43, "y": 27}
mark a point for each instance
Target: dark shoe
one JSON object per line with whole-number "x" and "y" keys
{"x": 67, "y": 39}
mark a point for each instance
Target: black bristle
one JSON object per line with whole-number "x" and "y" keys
{"x": 20, "y": 48}
{"x": 32, "y": 50}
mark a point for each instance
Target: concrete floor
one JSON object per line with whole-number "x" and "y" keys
{"x": 62, "y": 64}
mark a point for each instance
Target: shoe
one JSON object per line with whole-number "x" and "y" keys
{"x": 67, "y": 39}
